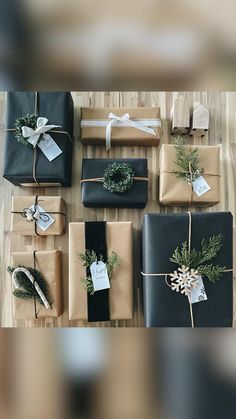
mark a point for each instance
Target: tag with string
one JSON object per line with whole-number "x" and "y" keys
{"x": 45, "y": 220}
{"x": 99, "y": 276}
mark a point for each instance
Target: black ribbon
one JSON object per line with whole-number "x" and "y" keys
{"x": 95, "y": 239}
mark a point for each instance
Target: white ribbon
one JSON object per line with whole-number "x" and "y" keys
{"x": 33, "y": 136}
{"x": 31, "y": 278}
{"x": 125, "y": 119}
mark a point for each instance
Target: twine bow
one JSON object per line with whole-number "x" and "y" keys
{"x": 33, "y": 214}
{"x": 33, "y": 136}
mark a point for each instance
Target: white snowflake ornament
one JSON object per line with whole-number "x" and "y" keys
{"x": 184, "y": 280}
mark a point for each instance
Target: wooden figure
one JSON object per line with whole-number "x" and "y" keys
{"x": 180, "y": 116}
{"x": 199, "y": 120}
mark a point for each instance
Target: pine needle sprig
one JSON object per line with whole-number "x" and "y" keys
{"x": 185, "y": 159}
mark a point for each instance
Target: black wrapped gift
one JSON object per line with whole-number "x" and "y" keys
{"x": 28, "y": 166}
{"x": 161, "y": 234}
{"x": 94, "y": 194}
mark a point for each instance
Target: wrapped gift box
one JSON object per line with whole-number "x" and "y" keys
{"x": 54, "y": 206}
{"x": 175, "y": 191}
{"x": 161, "y": 234}
{"x": 95, "y": 195}
{"x": 49, "y": 263}
{"x": 19, "y": 159}
{"x": 102, "y": 237}
{"x": 95, "y": 120}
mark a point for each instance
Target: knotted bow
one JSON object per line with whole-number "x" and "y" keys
{"x": 33, "y": 214}
{"x": 33, "y": 136}
{"x": 126, "y": 121}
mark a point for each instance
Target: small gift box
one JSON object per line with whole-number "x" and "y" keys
{"x": 117, "y": 183}
{"x": 189, "y": 175}
{"x": 120, "y": 126}
{"x": 37, "y": 283}
{"x": 39, "y": 139}
{"x": 187, "y": 269}
{"x": 38, "y": 215}
{"x": 96, "y": 241}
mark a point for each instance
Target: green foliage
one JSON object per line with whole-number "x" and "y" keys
{"x": 26, "y": 290}
{"x": 90, "y": 257}
{"x": 196, "y": 259}
{"x": 28, "y": 121}
{"x": 184, "y": 159}
{"x": 118, "y": 177}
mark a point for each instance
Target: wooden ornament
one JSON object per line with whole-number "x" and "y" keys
{"x": 180, "y": 116}
{"x": 200, "y": 120}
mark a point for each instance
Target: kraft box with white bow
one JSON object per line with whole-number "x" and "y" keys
{"x": 44, "y": 156}
{"x": 121, "y": 126}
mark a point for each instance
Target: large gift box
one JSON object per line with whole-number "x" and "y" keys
{"x": 120, "y": 126}
{"x": 49, "y": 264}
{"x": 103, "y": 238}
{"x": 25, "y": 164}
{"x": 176, "y": 191}
{"x": 161, "y": 235}
{"x": 117, "y": 183}
{"x": 38, "y": 215}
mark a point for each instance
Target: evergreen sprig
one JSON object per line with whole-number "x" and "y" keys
{"x": 196, "y": 259}
{"x": 184, "y": 159}
{"x": 118, "y": 177}
{"x": 28, "y": 121}
{"x": 90, "y": 257}
{"x": 26, "y": 290}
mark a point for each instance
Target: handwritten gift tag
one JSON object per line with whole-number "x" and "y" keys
{"x": 200, "y": 186}
{"x": 198, "y": 294}
{"x": 45, "y": 220}
{"x": 99, "y": 276}
{"x": 49, "y": 148}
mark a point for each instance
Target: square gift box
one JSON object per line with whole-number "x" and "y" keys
{"x": 104, "y": 238}
{"x": 161, "y": 235}
{"x": 94, "y": 194}
{"x": 25, "y": 165}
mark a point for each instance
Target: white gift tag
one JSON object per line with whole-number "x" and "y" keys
{"x": 200, "y": 186}
{"x": 99, "y": 276}
{"x": 198, "y": 294}
{"x": 45, "y": 221}
{"x": 49, "y": 148}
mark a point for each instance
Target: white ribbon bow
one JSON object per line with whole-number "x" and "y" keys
{"x": 31, "y": 278}
{"x": 124, "y": 119}
{"x": 42, "y": 127}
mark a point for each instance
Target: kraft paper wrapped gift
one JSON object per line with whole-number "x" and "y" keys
{"x": 54, "y": 206}
{"x": 104, "y": 238}
{"x": 28, "y": 166}
{"x": 49, "y": 263}
{"x": 94, "y": 122}
{"x": 175, "y": 191}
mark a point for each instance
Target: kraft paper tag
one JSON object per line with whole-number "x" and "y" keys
{"x": 198, "y": 294}
{"x": 200, "y": 186}
{"x": 45, "y": 220}
{"x": 49, "y": 148}
{"x": 99, "y": 276}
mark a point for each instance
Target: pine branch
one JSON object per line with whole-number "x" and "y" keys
{"x": 185, "y": 159}
{"x": 213, "y": 273}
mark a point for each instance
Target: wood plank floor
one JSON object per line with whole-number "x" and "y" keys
{"x": 222, "y": 107}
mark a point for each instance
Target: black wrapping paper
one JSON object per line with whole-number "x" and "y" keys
{"x": 94, "y": 194}
{"x": 161, "y": 234}
{"x": 18, "y": 159}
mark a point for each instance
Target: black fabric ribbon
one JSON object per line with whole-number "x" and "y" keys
{"x": 95, "y": 239}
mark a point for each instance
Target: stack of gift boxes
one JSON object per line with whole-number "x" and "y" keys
{"x": 186, "y": 257}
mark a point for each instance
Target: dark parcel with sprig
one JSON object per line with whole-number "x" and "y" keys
{"x": 187, "y": 270}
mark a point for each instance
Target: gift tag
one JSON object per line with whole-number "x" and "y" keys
{"x": 200, "y": 186}
{"x": 45, "y": 220}
{"x": 198, "y": 294}
{"x": 49, "y": 148}
{"x": 99, "y": 276}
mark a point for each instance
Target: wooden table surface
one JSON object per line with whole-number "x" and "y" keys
{"x": 222, "y": 106}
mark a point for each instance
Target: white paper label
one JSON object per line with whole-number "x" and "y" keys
{"x": 200, "y": 186}
{"x": 99, "y": 276}
{"x": 45, "y": 220}
{"x": 198, "y": 294}
{"x": 49, "y": 148}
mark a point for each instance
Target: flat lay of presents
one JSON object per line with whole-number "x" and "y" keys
{"x": 142, "y": 223}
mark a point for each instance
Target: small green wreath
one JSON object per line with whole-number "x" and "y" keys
{"x": 25, "y": 121}
{"x": 118, "y": 177}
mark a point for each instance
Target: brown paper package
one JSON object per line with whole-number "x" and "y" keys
{"x": 49, "y": 263}
{"x": 120, "y": 135}
{"x": 174, "y": 191}
{"x": 50, "y": 204}
{"x": 119, "y": 240}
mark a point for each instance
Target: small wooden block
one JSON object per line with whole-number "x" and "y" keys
{"x": 200, "y": 120}
{"x": 180, "y": 116}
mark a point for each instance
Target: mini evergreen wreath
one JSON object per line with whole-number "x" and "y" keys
{"x": 90, "y": 257}
{"x": 26, "y": 290}
{"x": 118, "y": 177}
{"x": 185, "y": 160}
{"x": 25, "y": 121}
